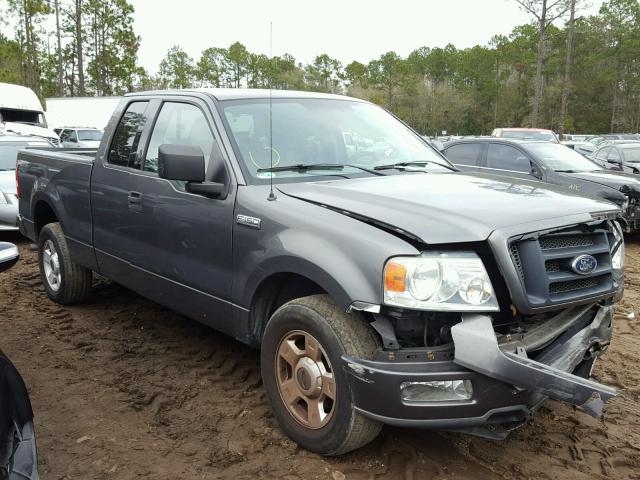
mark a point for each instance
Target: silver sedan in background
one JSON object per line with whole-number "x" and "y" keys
{"x": 10, "y": 145}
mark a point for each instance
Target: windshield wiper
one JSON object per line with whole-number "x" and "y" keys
{"x": 303, "y": 167}
{"x": 409, "y": 164}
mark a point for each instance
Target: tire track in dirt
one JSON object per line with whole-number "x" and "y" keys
{"x": 125, "y": 389}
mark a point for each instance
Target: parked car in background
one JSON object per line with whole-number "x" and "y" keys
{"x": 574, "y": 137}
{"x": 351, "y": 269}
{"x": 80, "y": 137}
{"x": 575, "y": 145}
{"x": 10, "y": 145}
{"x": 18, "y": 454}
{"x": 619, "y": 155}
{"x": 550, "y": 163}
{"x": 21, "y": 113}
{"x": 526, "y": 134}
{"x": 621, "y": 136}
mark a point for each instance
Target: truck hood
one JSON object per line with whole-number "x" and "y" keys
{"x": 624, "y": 182}
{"x": 446, "y": 207}
{"x": 8, "y": 182}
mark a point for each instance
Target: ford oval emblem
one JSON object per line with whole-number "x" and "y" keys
{"x": 584, "y": 264}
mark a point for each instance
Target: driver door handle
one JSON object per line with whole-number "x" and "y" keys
{"x": 135, "y": 198}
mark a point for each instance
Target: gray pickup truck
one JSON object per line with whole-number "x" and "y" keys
{"x": 382, "y": 285}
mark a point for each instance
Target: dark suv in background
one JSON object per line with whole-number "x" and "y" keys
{"x": 550, "y": 163}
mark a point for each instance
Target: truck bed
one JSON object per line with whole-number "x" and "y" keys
{"x": 63, "y": 174}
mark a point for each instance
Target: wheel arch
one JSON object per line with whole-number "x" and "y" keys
{"x": 298, "y": 278}
{"x": 43, "y": 213}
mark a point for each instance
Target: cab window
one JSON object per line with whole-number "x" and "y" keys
{"x": 181, "y": 124}
{"x": 124, "y": 145}
{"x": 506, "y": 157}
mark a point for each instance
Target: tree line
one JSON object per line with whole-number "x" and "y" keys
{"x": 564, "y": 70}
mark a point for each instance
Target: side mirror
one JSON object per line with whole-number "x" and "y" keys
{"x": 181, "y": 162}
{"x": 9, "y": 255}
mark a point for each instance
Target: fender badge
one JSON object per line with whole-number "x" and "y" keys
{"x": 248, "y": 221}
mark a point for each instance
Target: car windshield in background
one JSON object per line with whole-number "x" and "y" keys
{"x": 325, "y": 132}
{"x": 89, "y": 135}
{"x": 9, "y": 153}
{"x": 524, "y": 135}
{"x": 631, "y": 154}
{"x": 561, "y": 159}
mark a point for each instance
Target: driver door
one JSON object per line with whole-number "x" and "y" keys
{"x": 182, "y": 241}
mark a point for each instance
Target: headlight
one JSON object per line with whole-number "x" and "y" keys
{"x": 443, "y": 281}
{"x": 3, "y": 199}
{"x": 625, "y": 204}
{"x": 617, "y": 250}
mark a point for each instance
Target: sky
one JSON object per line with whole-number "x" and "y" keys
{"x": 344, "y": 29}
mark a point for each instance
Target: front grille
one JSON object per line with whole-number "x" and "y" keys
{"x": 544, "y": 264}
{"x": 551, "y": 266}
{"x": 550, "y": 243}
{"x": 516, "y": 259}
{"x": 572, "y": 285}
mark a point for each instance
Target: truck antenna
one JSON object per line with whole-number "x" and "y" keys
{"x": 271, "y": 196}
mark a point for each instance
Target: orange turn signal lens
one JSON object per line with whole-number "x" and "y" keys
{"x": 395, "y": 276}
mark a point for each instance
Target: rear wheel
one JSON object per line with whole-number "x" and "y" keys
{"x": 301, "y": 369}
{"x": 64, "y": 281}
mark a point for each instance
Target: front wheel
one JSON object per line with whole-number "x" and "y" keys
{"x": 301, "y": 369}
{"x": 64, "y": 281}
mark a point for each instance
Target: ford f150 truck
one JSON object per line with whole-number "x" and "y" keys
{"x": 382, "y": 285}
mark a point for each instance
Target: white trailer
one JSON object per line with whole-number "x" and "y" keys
{"x": 21, "y": 113}
{"x": 92, "y": 112}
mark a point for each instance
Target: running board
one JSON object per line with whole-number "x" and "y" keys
{"x": 476, "y": 348}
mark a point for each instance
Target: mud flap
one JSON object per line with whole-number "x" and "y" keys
{"x": 476, "y": 348}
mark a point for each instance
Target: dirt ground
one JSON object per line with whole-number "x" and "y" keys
{"x": 125, "y": 389}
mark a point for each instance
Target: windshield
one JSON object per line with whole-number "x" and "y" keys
{"x": 525, "y": 135}
{"x": 88, "y": 135}
{"x": 631, "y": 154}
{"x": 322, "y": 131}
{"x": 28, "y": 117}
{"x": 560, "y": 158}
{"x": 9, "y": 153}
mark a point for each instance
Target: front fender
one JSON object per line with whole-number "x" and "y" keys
{"x": 343, "y": 255}
{"x": 322, "y": 262}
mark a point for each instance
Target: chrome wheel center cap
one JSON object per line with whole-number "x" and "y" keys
{"x": 308, "y": 377}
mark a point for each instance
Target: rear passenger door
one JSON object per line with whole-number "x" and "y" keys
{"x": 465, "y": 156}
{"x": 110, "y": 191}
{"x": 508, "y": 160}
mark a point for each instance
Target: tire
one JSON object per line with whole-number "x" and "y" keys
{"x": 72, "y": 282}
{"x": 293, "y": 328}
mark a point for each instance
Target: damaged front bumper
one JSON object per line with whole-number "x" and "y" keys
{"x": 510, "y": 377}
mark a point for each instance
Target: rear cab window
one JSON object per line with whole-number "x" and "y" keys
{"x": 124, "y": 144}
